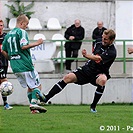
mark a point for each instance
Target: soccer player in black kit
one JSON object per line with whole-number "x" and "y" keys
{"x": 95, "y": 70}
{"x": 3, "y": 65}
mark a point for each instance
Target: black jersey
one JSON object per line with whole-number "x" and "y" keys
{"x": 108, "y": 55}
{"x": 3, "y": 60}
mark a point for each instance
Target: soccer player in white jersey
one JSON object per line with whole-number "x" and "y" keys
{"x": 16, "y": 48}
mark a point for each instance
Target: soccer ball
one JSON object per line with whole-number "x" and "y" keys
{"x": 6, "y": 88}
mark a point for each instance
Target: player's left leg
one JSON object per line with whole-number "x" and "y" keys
{"x": 98, "y": 93}
{"x": 100, "y": 82}
{"x": 101, "y": 79}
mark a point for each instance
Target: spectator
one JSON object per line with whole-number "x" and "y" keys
{"x": 73, "y": 33}
{"x": 97, "y": 32}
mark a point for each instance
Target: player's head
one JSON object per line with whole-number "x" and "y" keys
{"x": 77, "y": 23}
{"x": 22, "y": 21}
{"x": 100, "y": 24}
{"x": 108, "y": 37}
{"x": 1, "y": 26}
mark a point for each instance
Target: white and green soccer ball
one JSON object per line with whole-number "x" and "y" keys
{"x": 6, "y": 88}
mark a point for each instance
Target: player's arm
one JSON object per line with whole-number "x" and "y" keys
{"x": 90, "y": 56}
{"x": 31, "y": 45}
{"x": 5, "y": 54}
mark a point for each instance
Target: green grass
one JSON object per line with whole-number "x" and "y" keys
{"x": 66, "y": 119}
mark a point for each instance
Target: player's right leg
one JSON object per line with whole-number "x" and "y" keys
{"x": 34, "y": 108}
{"x": 58, "y": 87}
{"x": 33, "y": 104}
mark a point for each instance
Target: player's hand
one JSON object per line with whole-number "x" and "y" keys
{"x": 130, "y": 50}
{"x": 40, "y": 41}
{"x": 84, "y": 52}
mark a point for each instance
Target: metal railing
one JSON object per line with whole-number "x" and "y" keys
{"x": 123, "y": 59}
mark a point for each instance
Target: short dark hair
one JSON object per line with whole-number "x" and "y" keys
{"x": 110, "y": 33}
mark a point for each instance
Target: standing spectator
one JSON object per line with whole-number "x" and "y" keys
{"x": 74, "y": 33}
{"x": 97, "y": 32}
{"x": 16, "y": 48}
{"x": 3, "y": 65}
{"x": 95, "y": 71}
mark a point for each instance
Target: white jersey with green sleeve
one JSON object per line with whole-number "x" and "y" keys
{"x": 20, "y": 60}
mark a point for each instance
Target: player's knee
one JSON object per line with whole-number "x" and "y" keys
{"x": 69, "y": 78}
{"x": 101, "y": 80}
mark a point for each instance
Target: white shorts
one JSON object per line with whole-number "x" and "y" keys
{"x": 28, "y": 79}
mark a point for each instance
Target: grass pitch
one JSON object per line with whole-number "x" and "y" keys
{"x": 68, "y": 119}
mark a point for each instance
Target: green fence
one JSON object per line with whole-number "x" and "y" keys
{"x": 123, "y": 59}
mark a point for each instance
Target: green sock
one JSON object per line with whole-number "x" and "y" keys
{"x": 29, "y": 94}
{"x": 34, "y": 97}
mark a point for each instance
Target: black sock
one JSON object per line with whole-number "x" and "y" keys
{"x": 98, "y": 94}
{"x": 4, "y": 100}
{"x": 56, "y": 89}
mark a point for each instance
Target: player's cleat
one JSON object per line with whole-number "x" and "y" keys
{"x": 35, "y": 112}
{"x": 37, "y": 107}
{"x": 8, "y": 107}
{"x": 41, "y": 97}
{"x": 93, "y": 110}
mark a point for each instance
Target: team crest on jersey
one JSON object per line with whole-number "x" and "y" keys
{"x": 23, "y": 40}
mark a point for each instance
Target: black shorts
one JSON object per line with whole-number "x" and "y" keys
{"x": 3, "y": 72}
{"x": 85, "y": 76}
